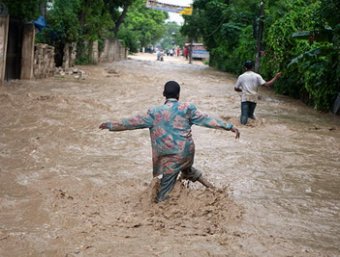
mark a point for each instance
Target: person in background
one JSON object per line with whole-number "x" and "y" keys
{"x": 247, "y": 84}
{"x": 177, "y": 51}
{"x": 173, "y": 148}
{"x": 186, "y": 52}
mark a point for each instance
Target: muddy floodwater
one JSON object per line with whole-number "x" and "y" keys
{"x": 68, "y": 189}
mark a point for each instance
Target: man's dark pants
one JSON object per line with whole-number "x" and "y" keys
{"x": 247, "y": 111}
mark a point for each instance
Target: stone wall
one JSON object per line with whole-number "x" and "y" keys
{"x": 27, "y": 52}
{"x": 113, "y": 51}
{"x": 38, "y": 59}
{"x": 4, "y": 23}
{"x": 44, "y": 65}
{"x": 70, "y": 52}
{"x": 95, "y": 52}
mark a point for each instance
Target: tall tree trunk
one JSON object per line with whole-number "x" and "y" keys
{"x": 121, "y": 18}
{"x": 259, "y": 35}
{"x": 43, "y": 7}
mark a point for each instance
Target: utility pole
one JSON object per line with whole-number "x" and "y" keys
{"x": 43, "y": 8}
{"x": 259, "y": 36}
{"x": 190, "y": 52}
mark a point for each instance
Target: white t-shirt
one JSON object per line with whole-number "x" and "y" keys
{"x": 249, "y": 83}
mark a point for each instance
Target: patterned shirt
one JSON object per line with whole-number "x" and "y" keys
{"x": 170, "y": 128}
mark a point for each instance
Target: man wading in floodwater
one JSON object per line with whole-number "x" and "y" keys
{"x": 173, "y": 148}
{"x": 247, "y": 84}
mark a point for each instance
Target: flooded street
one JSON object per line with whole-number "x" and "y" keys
{"x": 68, "y": 189}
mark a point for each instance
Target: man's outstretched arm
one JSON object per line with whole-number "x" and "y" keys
{"x": 135, "y": 122}
{"x": 272, "y": 81}
{"x": 204, "y": 120}
{"x": 236, "y": 131}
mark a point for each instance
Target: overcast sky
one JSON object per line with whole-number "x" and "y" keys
{"x": 175, "y": 16}
{"x": 176, "y": 2}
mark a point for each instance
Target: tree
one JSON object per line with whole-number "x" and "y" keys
{"x": 319, "y": 65}
{"x": 228, "y": 29}
{"x": 26, "y": 10}
{"x": 114, "y": 7}
{"x": 220, "y": 24}
{"x": 142, "y": 26}
{"x": 172, "y": 36}
{"x": 81, "y": 21}
{"x": 95, "y": 24}
{"x": 63, "y": 26}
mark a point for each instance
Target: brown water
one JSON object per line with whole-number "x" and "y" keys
{"x": 69, "y": 189}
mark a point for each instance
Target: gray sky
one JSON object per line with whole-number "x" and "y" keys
{"x": 175, "y": 16}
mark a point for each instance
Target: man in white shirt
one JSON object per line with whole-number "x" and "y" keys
{"x": 248, "y": 84}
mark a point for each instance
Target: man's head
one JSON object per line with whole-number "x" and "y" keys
{"x": 248, "y": 65}
{"x": 171, "y": 90}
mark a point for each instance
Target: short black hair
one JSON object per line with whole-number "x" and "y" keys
{"x": 171, "y": 89}
{"x": 249, "y": 64}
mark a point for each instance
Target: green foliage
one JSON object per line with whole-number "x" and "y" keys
{"x": 310, "y": 66}
{"x": 329, "y": 12}
{"x": 95, "y": 20}
{"x": 318, "y": 82}
{"x": 63, "y": 22}
{"x": 226, "y": 28}
{"x": 26, "y": 10}
{"x": 142, "y": 26}
{"x": 172, "y": 36}
{"x": 81, "y": 21}
{"x": 86, "y": 21}
{"x": 245, "y": 50}
{"x": 281, "y": 47}
{"x": 130, "y": 38}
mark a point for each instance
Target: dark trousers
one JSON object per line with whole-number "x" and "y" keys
{"x": 247, "y": 111}
{"x": 168, "y": 181}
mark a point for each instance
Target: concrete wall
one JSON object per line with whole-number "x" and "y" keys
{"x": 27, "y": 52}
{"x": 95, "y": 52}
{"x": 38, "y": 59}
{"x": 113, "y": 51}
{"x": 4, "y": 23}
{"x": 44, "y": 65}
{"x": 70, "y": 51}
